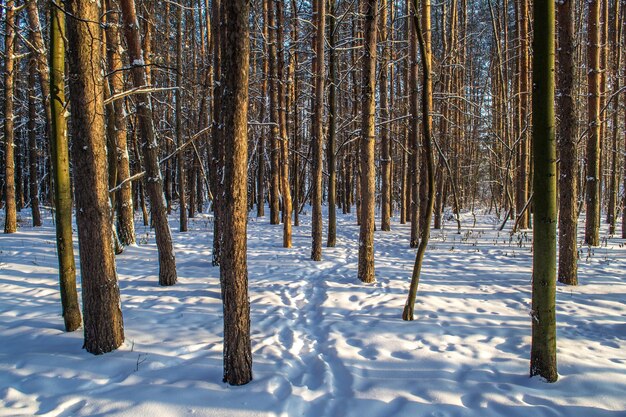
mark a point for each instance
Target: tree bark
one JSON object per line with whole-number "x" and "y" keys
{"x": 385, "y": 159}
{"x": 592, "y": 221}
{"x": 103, "y": 324}
{"x": 233, "y": 269}
{"x": 154, "y": 182}
{"x": 180, "y": 159}
{"x": 567, "y": 128}
{"x": 10, "y": 208}
{"x": 59, "y": 152}
{"x": 368, "y": 143}
{"x": 331, "y": 239}
{"x": 318, "y": 134}
{"x": 543, "y": 343}
{"x": 33, "y": 152}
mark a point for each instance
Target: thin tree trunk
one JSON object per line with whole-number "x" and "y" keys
{"x": 423, "y": 33}
{"x": 59, "y": 152}
{"x": 331, "y": 239}
{"x": 318, "y": 134}
{"x": 125, "y": 213}
{"x": 10, "y": 209}
{"x": 233, "y": 269}
{"x": 385, "y": 159}
{"x": 592, "y": 223}
{"x": 32, "y": 143}
{"x": 182, "y": 193}
{"x": 543, "y": 343}
{"x": 154, "y": 182}
{"x": 614, "y": 176}
{"x": 103, "y": 323}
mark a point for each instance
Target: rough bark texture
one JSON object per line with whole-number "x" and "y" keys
{"x": 413, "y": 174}
{"x": 154, "y": 181}
{"x": 568, "y": 173}
{"x": 368, "y": 143}
{"x": 233, "y": 269}
{"x": 125, "y": 212}
{"x": 331, "y": 239}
{"x": 543, "y": 343}
{"x": 318, "y": 135}
{"x": 592, "y": 198}
{"x": 385, "y": 159}
{"x": 59, "y": 153}
{"x": 103, "y": 325}
{"x": 614, "y": 175}
{"x": 275, "y": 128}
{"x": 10, "y": 209}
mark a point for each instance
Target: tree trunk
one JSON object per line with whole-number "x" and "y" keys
{"x": 592, "y": 223}
{"x": 331, "y": 239}
{"x": 385, "y": 159}
{"x": 318, "y": 134}
{"x": 125, "y": 213}
{"x": 274, "y": 118}
{"x": 10, "y": 209}
{"x": 614, "y": 176}
{"x": 233, "y": 269}
{"x": 543, "y": 343}
{"x": 59, "y": 152}
{"x": 32, "y": 143}
{"x": 368, "y": 143}
{"x": 104, "y": 328}
{"x": 413, "y": 174}
{"x": 567, "y": 128}
{"x": 154, "y": 181}
{"x": 423, "y": 34}
{"x": 180, "y": 159}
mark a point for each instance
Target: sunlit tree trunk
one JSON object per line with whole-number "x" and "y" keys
{"x": 59, "y": 152}
{"x": 10, "y": 209}
{"x": 543, "y": 314}
{"x": 566, "y": 135}
{"x": 234, "y": 269}
{"x": 103, "y": 324}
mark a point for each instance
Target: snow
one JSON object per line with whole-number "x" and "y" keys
{"x": 323, "y": 343}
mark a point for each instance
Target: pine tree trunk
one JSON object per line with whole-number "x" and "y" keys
{"x": 385, "y": 144}
{"x": 331, "y": 239}
{"x": 413, "y": 174}
{"x": 233, "y": 269}
{"x": 614, "y": 176}
{"x": 318, "y": 134}
{"x": 32, "y": 144}
{"x": 10, "y": 209}
{"x": 180, "y": 159}
{"x": 543, "y": 344}
{"x": 125, "y": 212}
{"x": 154, "y": 181}
{"x": 103, "y": 324}
{"x": 59, "y": 152}
{"x": 567, "y": 137}
{"x": 274, "y": 118}
{"x": 368, "y": 144}
{"x": 592, "y": 223}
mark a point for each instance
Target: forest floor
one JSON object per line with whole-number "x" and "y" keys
{"x": 323, "y": 343}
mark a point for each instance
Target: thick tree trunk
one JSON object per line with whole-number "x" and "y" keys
{"x": 103, "y": 324}
{"x": 233, "y": 269}
{"x": 368, "y": 144}
{"x": 154, "y": 181}
{"x": 543, "y": 344}
{"x": 59, "y": 152}
{"x": 567, "y": 128}
{"x": 10, "y": 209}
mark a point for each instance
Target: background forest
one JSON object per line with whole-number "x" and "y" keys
{"x": 335, "y": 136}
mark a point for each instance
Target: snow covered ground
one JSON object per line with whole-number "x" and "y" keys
{"x": 323, "y": 343}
